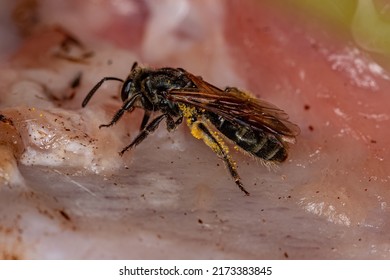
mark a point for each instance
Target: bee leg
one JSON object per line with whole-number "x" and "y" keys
{"x": 152, "y": 126}
{"x": 127, "y": 106}
{"x": 199, "y": 130}
{"x": 179, "y": 120}
{"x": 171, "y": 124}
{"x": 145, "y": 119}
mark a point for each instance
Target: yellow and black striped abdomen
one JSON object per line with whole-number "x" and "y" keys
{"x": 260, "y": 144}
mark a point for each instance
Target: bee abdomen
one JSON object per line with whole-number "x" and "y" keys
{"x": 259, "y": 144}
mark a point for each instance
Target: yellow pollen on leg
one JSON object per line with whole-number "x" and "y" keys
{"x": 218, "y": 145}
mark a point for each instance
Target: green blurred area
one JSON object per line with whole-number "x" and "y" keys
{"x": 335, "y": 11}
{"x": 368, "y": 21}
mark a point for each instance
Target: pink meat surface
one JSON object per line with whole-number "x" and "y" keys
{"x": 66, "y": 193}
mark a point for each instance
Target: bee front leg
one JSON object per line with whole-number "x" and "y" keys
{"x": 152, "y": 126}
{"x": 128, "y": 105}
{"x": 201, "y": 131}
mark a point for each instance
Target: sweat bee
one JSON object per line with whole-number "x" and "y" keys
{"x": 256, "y": 127}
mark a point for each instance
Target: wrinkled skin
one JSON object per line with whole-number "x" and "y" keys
{"x": 72, "y": 196}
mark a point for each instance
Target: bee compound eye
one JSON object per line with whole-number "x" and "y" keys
{"x": 126, "y": 89}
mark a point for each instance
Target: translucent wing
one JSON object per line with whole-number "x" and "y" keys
{"x": 236, "y": 106}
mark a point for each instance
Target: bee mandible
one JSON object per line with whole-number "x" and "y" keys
{"x": 257, "y": 127}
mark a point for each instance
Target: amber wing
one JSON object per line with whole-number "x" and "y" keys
{"x": 238, "y": 107}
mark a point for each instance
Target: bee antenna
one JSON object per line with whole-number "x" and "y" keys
{"x": 96, "y": 87}
{"x": 135, "y": 64}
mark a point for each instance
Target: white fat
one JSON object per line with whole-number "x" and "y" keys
{"x": 9, "y": 172}
{"x": 172, "y": 197}
{"x": 190, "y": 32}
{"x": 359, "y": 68}
{"x": 57, "y": 139}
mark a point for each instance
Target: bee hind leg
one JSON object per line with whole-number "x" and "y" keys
{"x": 199, "y": 130}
